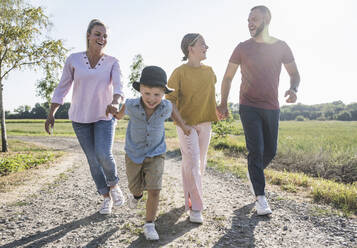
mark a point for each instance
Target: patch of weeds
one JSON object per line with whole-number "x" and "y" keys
{"x": 321, "y": 212}
{"x": 289, "y": 188}
{"x": 219, "y": 218}
{"x": 20, "y": 204}
{"x": 130, "y": 227}
{"x": 341, "y": 196}
{"x": 279, "y": 198}
{"x": 61, "y": 177}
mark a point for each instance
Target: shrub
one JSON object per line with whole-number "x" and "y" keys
{"x": 299, "y": 118}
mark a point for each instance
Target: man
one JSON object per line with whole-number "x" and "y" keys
{"x": 260, "y": 59}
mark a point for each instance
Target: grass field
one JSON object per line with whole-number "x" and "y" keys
{"x": 318, "y": 148}
{"x": 64, "y": 128}
{"x": 309, "y": 152}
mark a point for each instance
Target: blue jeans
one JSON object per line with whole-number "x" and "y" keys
{"x": 261, "y": 136}
{"x": 96, "y": 140}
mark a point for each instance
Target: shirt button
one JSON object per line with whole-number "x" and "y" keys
{"x": 87, "y": 63}
{"x": 147, "y": 144}
{"x": 147, "y": 134}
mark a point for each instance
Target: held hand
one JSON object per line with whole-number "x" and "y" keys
{"x": 112, "y": 109}
{"x": 292, "y": 96}
{"x": 222, "y": 111}
{"x": 186, "y": 130}
{"x": 121, "y": 99}
{"x": 50, "y": 122}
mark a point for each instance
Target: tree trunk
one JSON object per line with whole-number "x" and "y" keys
{"x": 3, "y": 126}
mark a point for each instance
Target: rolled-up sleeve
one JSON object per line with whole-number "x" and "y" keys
{"x": 173, "y": 83}
{"x": 116, "y": 79}
{"x": 65, "y": 83}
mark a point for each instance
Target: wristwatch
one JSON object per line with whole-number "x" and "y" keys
{"x": 294, "y": 89}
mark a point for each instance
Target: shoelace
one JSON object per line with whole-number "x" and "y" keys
{"x": 106, "y": 203}
{"x": 116, "y": 194}
{"x": 263, "y": 204}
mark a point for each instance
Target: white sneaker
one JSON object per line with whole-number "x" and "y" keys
{"x": 150, "y": 232}
{"x": 250, "y": 184}
{"x": 117, "y": 196}
{"x": 262, "y": 205}
{"x": 106, "y": 206}
{"x": 196, "y": 216}
{"x": 132, "y": 202}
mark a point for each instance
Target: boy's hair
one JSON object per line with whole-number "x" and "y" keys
{"x": 266, "y": 12}
{"x": 154, "y": 86}
{"x": 188, "y": 40}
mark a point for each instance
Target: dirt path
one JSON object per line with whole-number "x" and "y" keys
{"x": 63, "y": 213}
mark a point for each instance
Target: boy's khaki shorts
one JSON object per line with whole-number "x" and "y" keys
{"x": 145, "y": 176}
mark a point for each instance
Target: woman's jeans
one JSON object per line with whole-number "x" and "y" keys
{"x": 261, "y": 136}
{"x": 96, "y": 140}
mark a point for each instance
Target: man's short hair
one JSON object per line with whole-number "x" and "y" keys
{"x": 265, "y": 11}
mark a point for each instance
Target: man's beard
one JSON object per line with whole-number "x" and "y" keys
{"x": 259, "y": 29}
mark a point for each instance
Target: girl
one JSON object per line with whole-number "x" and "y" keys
{"x": 194, "y": 97}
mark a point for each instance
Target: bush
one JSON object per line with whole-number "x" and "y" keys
{"x": 299, "y": 118}
{"x": 344, "y": 116}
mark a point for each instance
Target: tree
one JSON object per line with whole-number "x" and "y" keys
{"x": 23, "y": 44}
{"x": 135, "y": 72}
{"x": 39, "y": 111}
{"x": 344, "y": 116}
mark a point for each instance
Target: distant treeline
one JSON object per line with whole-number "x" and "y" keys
{"x": 326, "y": 111}
{"x": 38, "y": 112}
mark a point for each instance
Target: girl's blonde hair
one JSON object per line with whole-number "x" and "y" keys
{"x": 91, "y": 25}
{"x": 187, "y": 41}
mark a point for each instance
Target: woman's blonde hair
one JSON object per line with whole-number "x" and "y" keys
{"x": 92, "y": 23}
{"x": 187, "y": 41}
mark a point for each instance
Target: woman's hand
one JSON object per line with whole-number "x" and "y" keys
{"x": 112, "y": 109}
{"x": 50, "y": 122}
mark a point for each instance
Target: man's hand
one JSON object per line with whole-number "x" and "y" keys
{"x": 222, "y": 111}
{"x": 291, "y": 96}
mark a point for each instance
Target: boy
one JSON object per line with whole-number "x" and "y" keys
{"x": 145, "y": 141}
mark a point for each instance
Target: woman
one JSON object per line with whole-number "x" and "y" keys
{"x": 96, "y": 85}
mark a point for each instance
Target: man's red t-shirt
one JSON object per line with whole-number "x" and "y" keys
{"x": 260, "y": 67}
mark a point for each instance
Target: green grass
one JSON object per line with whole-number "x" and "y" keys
{"x": 64, "y": 128}
{"x": 341, "y": 196}
{"x": 23, "y": 155}
{"x": 320, "y": 149}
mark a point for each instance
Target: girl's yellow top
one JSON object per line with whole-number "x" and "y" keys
{"x": 194, "y": 94}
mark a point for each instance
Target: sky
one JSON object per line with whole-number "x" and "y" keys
{"x": 320, "y": 33}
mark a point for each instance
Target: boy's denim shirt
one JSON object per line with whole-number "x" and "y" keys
{"x": 145, "y": 138}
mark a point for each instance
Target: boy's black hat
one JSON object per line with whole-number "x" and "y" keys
{"x": 153, "y": 76}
